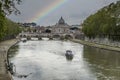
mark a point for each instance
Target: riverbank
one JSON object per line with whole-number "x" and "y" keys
{"x": 96, "y": 45}
{"x": 4, "y": 47}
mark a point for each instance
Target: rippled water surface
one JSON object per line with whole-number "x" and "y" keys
{"x": 45, "y": 60}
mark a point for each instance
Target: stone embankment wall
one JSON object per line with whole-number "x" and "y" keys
{"x": 104, "y": 41}
{"x": 93, "y": 44}
{"x": 4, "y": 47}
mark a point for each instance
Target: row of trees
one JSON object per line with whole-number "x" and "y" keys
{"x": 2, "y": 21}
{"x": 8, "y": 29}
{"x": 104, "y": 23}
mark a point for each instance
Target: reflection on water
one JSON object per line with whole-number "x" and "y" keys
{"x": 13, "y": 51}
{"x": 45, "y": 60}
{"x": 103, "y": 63}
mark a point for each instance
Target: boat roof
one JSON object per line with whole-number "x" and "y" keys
{"x": 68, "y": 51}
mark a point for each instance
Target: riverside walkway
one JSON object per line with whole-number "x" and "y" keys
{"x": 4, "y": 46}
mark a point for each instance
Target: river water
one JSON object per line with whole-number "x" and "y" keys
{"x": 45, "y": 60}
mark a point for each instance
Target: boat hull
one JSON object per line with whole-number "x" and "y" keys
{"x": 69, "y": 56}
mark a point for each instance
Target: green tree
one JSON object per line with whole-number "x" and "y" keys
{"x": 6, "y": 8}
{"x": 2, "y": 20}
{"x": 104, "y": 23}
{"x": 9, "y": 6}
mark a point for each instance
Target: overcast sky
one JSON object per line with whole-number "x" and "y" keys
{"x": 73, "y": 11}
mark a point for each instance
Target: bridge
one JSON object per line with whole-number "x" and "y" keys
{"x": 29, "y": 35}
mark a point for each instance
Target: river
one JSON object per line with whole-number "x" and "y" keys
{"x": 45, "y": 60}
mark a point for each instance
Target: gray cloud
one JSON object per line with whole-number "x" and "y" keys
{"x": 74, "y": 11}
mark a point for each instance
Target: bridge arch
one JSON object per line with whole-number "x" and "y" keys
{"x": 24, "y": 36}
{"x": 68, "y": 36}
{"x": 56, "y": 36}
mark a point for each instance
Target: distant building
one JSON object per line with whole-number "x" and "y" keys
{"x": 61, "y": 27}
{"x": 60, "y": 30}
{"x": 28, "y": 24}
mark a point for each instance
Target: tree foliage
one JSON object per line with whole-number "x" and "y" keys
{"x": 2, "y": 19}
{"x": 10, "y": 30}
{"x": 9, "y": 6}
{"x": 104, "y": 23}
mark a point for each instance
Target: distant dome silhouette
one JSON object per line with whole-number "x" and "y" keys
{"x": 61, "y": 21}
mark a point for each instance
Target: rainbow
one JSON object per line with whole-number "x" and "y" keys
{"x": 50, "y": 8}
